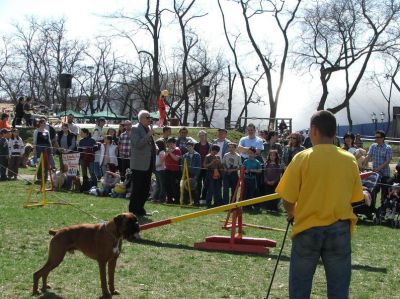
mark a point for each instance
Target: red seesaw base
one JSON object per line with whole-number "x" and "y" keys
{"x": 237, "y": 244}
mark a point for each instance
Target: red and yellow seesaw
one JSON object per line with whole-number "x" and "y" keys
{"x": 236, "y": 242}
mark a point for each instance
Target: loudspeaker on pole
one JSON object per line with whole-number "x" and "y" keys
{"x": 205, "y": 91}
{"x": 65, "y": 80}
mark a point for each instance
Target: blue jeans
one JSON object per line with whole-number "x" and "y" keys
{"x": 98, "y": 172}
{"x": 213, "y": 190}
{"x": 160, "y": 193}
{"x": 331, "y": 243}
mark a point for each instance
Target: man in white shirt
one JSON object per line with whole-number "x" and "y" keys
{"x": 98, "y": 130}
{"x": 251, "y": 140}
{"x": 222, "y": 142}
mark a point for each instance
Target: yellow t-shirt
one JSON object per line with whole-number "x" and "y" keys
{"x": 322, "y": 182}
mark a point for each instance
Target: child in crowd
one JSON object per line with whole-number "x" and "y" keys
{"x": 108, "y": 155}
{"x": 110, "y": 180}
{"x": 231, "y": 163}
{"x": 193, "y": 160}
{"x": 60, "y": 178}
{"x": 4, "y": 153}
{"x": 16, "y": 149}
{"x": 159, "y": 194}
{"x": 272, "y": 174}
{"x": 214, "y": 181}
{"x": 252, "y": 167}
{"x": 172, "y": 171}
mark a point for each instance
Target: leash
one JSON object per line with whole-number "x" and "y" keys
{"x": 279, "y": 257}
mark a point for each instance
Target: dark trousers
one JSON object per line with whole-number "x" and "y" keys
{"x": 229, "y": 181}
{"x": 172, "y": 180}
{"x": 123, "y": 165}
{"x": 3, "y": 167}
{"x": 213, "y": 191}
{"x": 201, "y": 186}
{"x": 13, "y": 165}
{"x": 250, "y": 188}
{"x": 141, "y": 181}
{"x": 271, "y": 205}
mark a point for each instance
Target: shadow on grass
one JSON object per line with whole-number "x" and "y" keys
{"x": 187, "y": 247}
{"x": 283, "y": 258}
{"x": 369, "y": 268}
{"x": 49, "y": 295}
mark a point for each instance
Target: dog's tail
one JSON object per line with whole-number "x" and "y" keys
{"x": 53, "y": 232}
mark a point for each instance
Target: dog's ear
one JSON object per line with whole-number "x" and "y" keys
{"x": 118, "y": 220}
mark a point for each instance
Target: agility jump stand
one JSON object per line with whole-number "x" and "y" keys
{"x": 236, "y": 242}
{"x": 186, "y": 181}
{"x": 44, "y": 160}
{"x": 222, "y": 243}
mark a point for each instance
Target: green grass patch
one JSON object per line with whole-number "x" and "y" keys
{"x": 164, "y": 264}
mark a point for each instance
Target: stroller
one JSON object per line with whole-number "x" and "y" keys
{"x": 388, "y": 212}
{"x": 366, "y": 207}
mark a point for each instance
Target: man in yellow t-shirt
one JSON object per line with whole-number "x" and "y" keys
{"x": 318, "y": 188}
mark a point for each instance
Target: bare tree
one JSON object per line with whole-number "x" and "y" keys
{"x": 248, "y": 91}
{"x": 45, "y": 53}
{"x": 189, "y": 41}
{"x": 283, "y": 16}
{"x": 341, "y": 36}
{"x": 11, "y": 74}
{"x": 151, "y": 23}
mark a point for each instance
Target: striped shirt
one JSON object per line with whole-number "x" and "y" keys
{"x": 125, "y": 145}
{"x": 379, "y": 154}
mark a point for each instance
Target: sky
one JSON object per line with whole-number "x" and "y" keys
{"x": 300, "y": 92}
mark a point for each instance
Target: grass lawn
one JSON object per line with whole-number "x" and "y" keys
{"x": 164, "y": 264}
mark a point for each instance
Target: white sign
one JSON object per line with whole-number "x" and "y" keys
{"x": 72, "y": 161}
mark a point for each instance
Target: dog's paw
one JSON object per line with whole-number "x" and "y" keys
{"x": 115, "y": 292}
{"x": 35, "y": 292}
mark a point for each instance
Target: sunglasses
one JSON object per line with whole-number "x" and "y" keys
{"x": 148, "y": 117}
{"x": 378, "y": 137}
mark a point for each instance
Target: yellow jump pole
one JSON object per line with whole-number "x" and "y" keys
{"x": 215, "y": 210}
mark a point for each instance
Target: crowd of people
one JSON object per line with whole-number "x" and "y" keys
{"x": 128, "y": 158}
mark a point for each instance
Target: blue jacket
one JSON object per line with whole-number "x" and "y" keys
{"x": 225, "y": 146}
{"x": 194, "y": 163}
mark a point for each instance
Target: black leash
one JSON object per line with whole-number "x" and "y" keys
{"x": 279, "y": 257}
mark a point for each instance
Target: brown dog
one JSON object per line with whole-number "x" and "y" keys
{"x": 101, "y": 242}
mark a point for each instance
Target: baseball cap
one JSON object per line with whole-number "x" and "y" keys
{"x": 222, "y": 130}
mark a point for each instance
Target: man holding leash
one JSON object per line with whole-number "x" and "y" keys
{"x": 318, "y": 188}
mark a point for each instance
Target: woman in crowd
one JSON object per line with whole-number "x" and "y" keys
{"x": 349, "y": 143}
{"x": 87, "y": 146}
{"x": 42, "y": 145}
{"x": 271, "y": 143}
{"x": 66, "y": 142}
{"x": 294, "y": 146}
{"x": 113, "y": 133}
